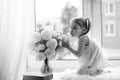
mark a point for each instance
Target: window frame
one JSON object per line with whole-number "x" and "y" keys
{"x": 109, "y": 34}
{"x": 107, "y": 11}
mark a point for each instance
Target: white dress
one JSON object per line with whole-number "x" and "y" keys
{"x": 92, "y": 58}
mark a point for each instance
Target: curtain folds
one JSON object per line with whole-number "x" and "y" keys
{"x": 16, "y": 26}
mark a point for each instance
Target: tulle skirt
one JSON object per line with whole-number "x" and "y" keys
{"x": 111, "y": 73}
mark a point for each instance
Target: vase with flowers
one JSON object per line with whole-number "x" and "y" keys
{"x": 47, "y": 46}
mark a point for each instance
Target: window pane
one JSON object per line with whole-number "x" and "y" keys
{"x": 111, "y": 29}
{"x": 106, "y": 30}
{"x": 111, "y": 8}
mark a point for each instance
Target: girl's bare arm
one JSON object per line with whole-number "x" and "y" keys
{"x": 82, "y": 42}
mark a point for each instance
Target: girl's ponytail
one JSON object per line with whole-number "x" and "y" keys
{"x": 88, "y": 25}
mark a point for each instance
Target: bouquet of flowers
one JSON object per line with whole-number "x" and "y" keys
{"x": 48, "y": 44}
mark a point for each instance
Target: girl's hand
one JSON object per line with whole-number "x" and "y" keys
{"x": 65, "y": 44}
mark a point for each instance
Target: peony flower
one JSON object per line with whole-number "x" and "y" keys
{"x": 55, "y": 34}
{"x": 50, "y": 52}
{"x": 46, "y": 35}
{"x": 60, "y": 50}
{"x": 35, "y": 37}
{"x": 40, "y": 56}
{"x": 64, "y": 38}
{"x": 36, "y": 47}
{"x": 52, "y": 44}
{"x": 41, "y": 46}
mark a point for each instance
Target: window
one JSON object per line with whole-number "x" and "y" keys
{"x": 110, "y": 28}
{"x": 109, "y": 9}
{"x": 55, "y": 15}
{"x": 49, "y": 14}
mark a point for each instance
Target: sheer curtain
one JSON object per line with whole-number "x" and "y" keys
{"x": 16, "y": 25}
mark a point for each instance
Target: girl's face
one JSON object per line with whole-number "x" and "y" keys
{"x": 76, "y": 30}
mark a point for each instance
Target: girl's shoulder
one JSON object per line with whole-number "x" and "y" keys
{"x": 88, "y": 39}
{"x": 84, "y": 39}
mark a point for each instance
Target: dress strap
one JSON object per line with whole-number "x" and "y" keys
{"x": 88, "y": 41}
{"x": 87, "y": 38}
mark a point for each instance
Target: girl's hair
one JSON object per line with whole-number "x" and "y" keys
{"x": 83, "y": 23}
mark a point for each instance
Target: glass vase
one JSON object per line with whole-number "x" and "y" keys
{"x": 46, "y": 69}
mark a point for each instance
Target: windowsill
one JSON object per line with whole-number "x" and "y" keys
{"x": 61, "y": 65}
{"x": 113, "y": 54}
{"x": 58, "y": 66}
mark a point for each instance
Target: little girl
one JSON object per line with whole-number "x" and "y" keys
{"x": 89, "y": 53}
